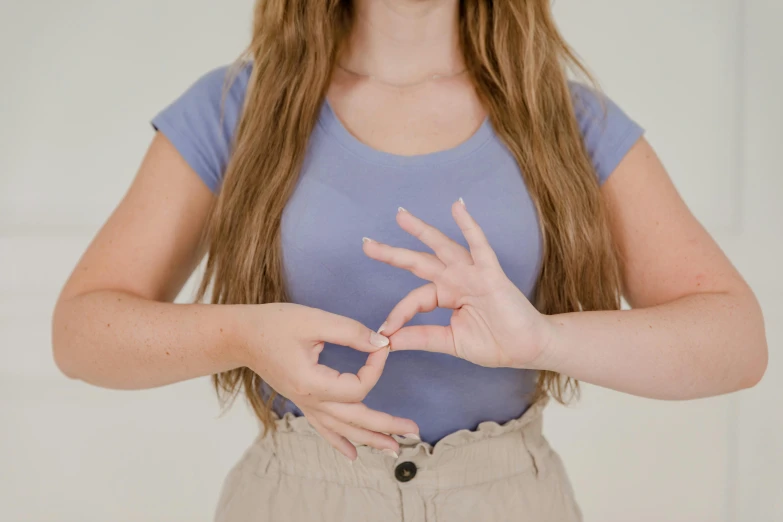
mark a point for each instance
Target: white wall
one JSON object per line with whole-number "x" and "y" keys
{"x": 80, "y": 80}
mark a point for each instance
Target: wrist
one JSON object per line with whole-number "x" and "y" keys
{"x": 234, "y": 324}
{"x": 551, "y": 344}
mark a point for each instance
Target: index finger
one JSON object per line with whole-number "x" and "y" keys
{"x": 331, "y": 385}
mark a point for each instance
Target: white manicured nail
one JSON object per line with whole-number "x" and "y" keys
{"x": 400, "y": 209}
{"x": 462, "y": 201}
{"x": 383, "y": 327}
{"x": 390, "y": 453}
{"x": 412, "y": 436}
{"x": 378, "y": 340}
{"x": 367, "y": 240}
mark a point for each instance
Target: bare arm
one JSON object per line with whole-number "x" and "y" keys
{"x": 696, "y": 330}
{"x": 114, "y": 324}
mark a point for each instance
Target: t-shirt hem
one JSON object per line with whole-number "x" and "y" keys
{"x": 630, "y": 136}
{"x": 180, "y": 142}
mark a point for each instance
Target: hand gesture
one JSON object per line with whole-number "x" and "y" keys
{"x": 283, "y": 349}
{"x": 493, "y": 323}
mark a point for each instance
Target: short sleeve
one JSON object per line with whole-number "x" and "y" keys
{"x": 201, "y": 122}
{"x": 607, "y": 131}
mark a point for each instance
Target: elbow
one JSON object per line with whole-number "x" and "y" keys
{"x": 62, "y": 351}
{"x": 756, "y": 353}
{"x": 755, "y": 368}
{"x": 63, "y": 361}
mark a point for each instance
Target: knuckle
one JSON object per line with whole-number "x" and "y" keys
{"x": 357, "y": 419}
{"x": 408, "y": 263}
{"x": 353, "y": 420}
{"x": 356, "y": 395}
{"x": 328, "y": 408}
{"x": 327, "y": 422}
{"x": 301, "y": 387}
{"x": 364, "y": 387}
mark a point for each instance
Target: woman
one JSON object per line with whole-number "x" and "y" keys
{"x": 532, "y": 204}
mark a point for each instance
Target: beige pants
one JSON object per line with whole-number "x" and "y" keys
{"x": 493, "y": 474}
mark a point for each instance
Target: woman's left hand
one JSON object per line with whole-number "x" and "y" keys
{"x": 493, "y": 323}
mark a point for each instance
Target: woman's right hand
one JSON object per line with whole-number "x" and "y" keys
{"x": 283, "y": 348}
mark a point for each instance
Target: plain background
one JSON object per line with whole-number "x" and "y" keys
{"x": 80, "y": 81}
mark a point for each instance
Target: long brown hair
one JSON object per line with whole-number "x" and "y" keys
{"x": 517, "y": 61}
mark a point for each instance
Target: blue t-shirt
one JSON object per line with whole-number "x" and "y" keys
{"x": 348, "y": 190}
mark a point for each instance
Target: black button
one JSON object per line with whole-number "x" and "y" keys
{"x": 405, "y": 471}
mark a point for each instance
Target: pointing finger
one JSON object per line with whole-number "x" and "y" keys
{"x": 420, "y": 264}
{"x": 331, "y": 385}
{"x": 422, "y": 299}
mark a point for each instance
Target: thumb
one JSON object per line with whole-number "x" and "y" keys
{"x": 337, "y": 329}
{"x": 427, "y": 338}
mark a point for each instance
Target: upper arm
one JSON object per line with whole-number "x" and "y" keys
{"x": 665, "y": 253}
{"x": 150, "y": 244}
{"x": 152, "y": 241}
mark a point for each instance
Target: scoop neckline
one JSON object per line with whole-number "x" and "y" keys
{"x": 335, "y": 127}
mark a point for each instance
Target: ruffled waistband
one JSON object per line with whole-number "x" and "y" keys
{"x": 492, "y": 451}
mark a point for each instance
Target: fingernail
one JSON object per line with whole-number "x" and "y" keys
{"x": 400, "y": 209}
{"x": 367, "y": 240}
{"x": 390, "y": 453}
{"x": 412, "y": 436}
{"x": 383, "y": 327}
{"x": 462, "y": 201}
{"x": 378, "y": 340}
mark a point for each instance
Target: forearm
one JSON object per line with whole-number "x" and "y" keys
{"x": 117, "y": 340}
{"x": 697, "y": 346}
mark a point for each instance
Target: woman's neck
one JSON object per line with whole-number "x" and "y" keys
{"x": 404, "y": 41}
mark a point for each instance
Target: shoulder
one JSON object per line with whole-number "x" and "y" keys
{"x": 608, "y": 132}
{"x": 228, "y": 80}
{"x": 200, "y": 123}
